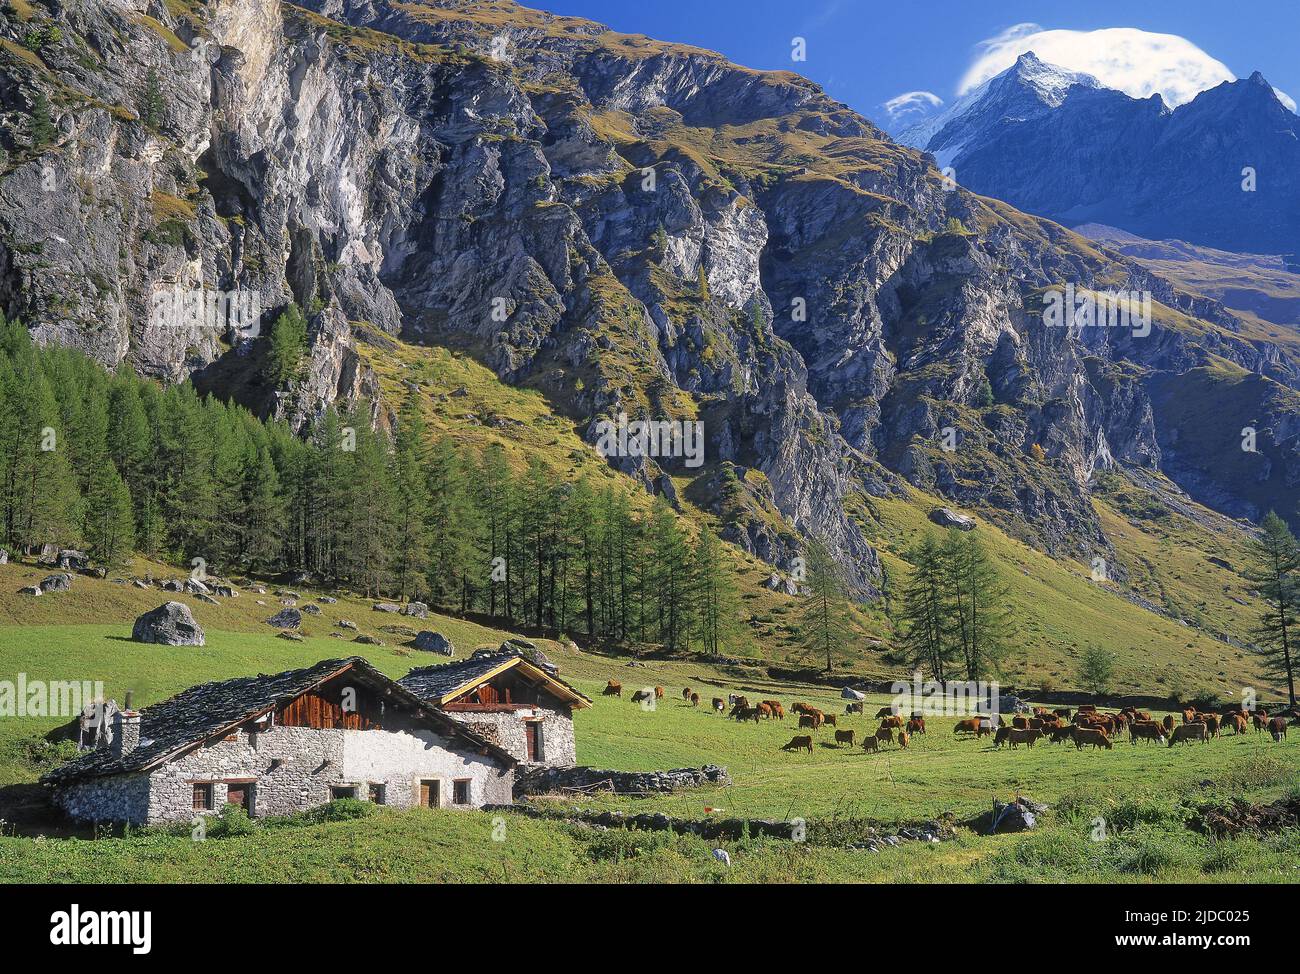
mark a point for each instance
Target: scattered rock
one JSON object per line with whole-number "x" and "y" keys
{"x": 386, "y": 607}
{"x": 396, "y": 630}
{"x": 310, "y": 609}
{"x": 207, "y": 598}
{"x": 139, "y": 583}
{"x": 195, "y": 587}
{"x": 326, "y": 599}
{"x": 290, "y": 635}
{"x": 285, "y": 594}
{"x": 30, "y": 590}
{"x": 433, "y": 642}
{"x": 368, "y": 640}
{"x": 172, "y": 585}
{"x": 946, "y": 517}
{"x": 4, "y": 557}
{"x": 171, "y": 624}
{"x": 778, "y": 584}
{"x": 286, "y": 619}
{"x": 60, "y": 582}
{"x": 416, "y": 609}
{"x": 49, "y": 555}
{"x": 347, "y": 624}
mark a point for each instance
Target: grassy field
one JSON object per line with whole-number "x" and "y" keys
{"x": 1143, "y": 793}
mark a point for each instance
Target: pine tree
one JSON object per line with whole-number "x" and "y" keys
{"x": 1275, "y": 572}
{"x": 109, "y": 519}
{"x": 42, "y": 125}
{"x": 410, "y": 497}
{"x": 925, "y": 610}
{"x": 714, "y": 594}
{"x": 288, "y": 343}
{"x": 151, "y": 101}
{"x": 262, "y": 512}
{"x": 669, "y": 577}
{"x": 825, "y": 627}
{"x": 367, "y": 507}
{"x": 975, "y": 603}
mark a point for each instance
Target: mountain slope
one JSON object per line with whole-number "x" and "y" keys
{"x": 1220, "y": 171}
{"x": 621, "y": 225}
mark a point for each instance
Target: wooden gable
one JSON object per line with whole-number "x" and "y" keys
{"x": 339, "y": 704}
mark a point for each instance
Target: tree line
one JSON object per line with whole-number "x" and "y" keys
{"x": 118, "y": 465}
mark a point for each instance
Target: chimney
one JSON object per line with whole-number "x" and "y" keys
{"x": 126, "y": 730}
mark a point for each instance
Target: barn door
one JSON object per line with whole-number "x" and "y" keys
{"x": 429, "y": 794}
{"x": 533, "y": 735}
{"x": 237, "y": 794}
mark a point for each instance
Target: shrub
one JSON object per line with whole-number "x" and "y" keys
{"x": 232, "y": 821}
{"x": 341, "y": 810}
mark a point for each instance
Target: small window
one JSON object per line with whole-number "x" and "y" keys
{"x": 377, "y": 794}
{"x": 460, "y": 792}
{"x": 342, "y": 791}
{"x": 203, "y": 797}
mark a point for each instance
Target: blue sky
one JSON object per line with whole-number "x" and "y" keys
{"x": 865, "y": 52}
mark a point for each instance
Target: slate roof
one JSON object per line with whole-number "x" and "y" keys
{"x": 434, "y": 683}
{"x": 203, "y": 711}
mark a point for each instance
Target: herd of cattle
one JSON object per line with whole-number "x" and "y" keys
{"x": 1085, "y": 727}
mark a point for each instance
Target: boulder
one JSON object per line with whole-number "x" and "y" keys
{"x": 287, "y": 594}
{"x": 4, "y": 557}
{"x": 30, "y": 590}
{"x": 73, "y": 560}
{"x": 417, "y": 609}
{"x": 529, "y": 651}
{"x": 59, "y": 582}
{"x": 326, "y": 599}
{"x": 286, "y": 619}
{"x": 195, "y": 587}
{"x": 368, "y": 640}
{"x": 290, "y": 635}
{"x": 173, "y": 585}
{"x": 225, "y": 591}
{"x": 946, "y": 517}
{"x": 346, "y": 624}
{"x": 1020, "y": 815}
{"x": 207, "y": 598}
{"x": 49, "y": 555}
{"x": 778, "y": 584}
{"x": 139, "y": 583}
{"x": 310, "y": 609}
{"x": 171, "y": 624}
{"x": 386, "y": 607}
{"x": 433, "y": 642}
{"x": 848, "y": 693}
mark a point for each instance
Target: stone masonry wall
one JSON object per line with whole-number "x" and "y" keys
{"x": 559, "y": 746}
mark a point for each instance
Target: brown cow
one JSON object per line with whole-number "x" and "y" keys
{"x": 902, "y": 738}
{"x": 885, "y": 735}
{"x": 719, "y": 705}
{"x": 1192, "y": 731}
{"x": 985, "y": 728}
{"x": 1277, "y": 727}
{"x": 892, "y": 721}
{"x": 853, "y": 708}
{"x": 1169, "y": 723}
{"x": 969, "y": 726}
{"x": 764, "y": 711}
{"x": 916, "y": 725}
{"x": 1211, "y": 722}
{"x": 1091, "y": 735}
{"x": 1148, "y": 730}
{"x": 869, "y": 743}
{"x": 800, "y": 708}
{"x": 807, "y": 720}
{"x": 1238, "y": 723}
{"x": 740, "y": 701}
{"x": 844, "y": 737}
{"x": 799, "y": 744}
{"x": 1062, "y": 712}
{"x": 777, "y": 710}
{"x": 1189, "y": 715}
{"x": 642, "y": 695}
{"x": 884, "y": 712}
{"x": 1020, "y": 722}
{"x": 828, "y": 719}
{"x": 612, "y": 689}
{"x": 746, "y": 713}
{"x": 1062, "y": 732}
{"x": 686, "y": 693}
{"x": 1260, "y": 719}
{"x": 695, "y": 699}
{"x": 659, "y": 693}
{"x": 1024, "y": 735}
{"x": 1001, "y": 736}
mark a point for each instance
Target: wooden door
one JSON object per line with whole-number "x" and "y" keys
{"x": 429, "y": 794}
{"x": 533, "y": 735}
{"x": 237, "y": 794}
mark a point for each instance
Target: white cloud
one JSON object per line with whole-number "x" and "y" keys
{"x": 911, "y": 106}
{"x": 1137, "y": 62}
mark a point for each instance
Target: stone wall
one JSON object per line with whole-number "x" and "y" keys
{"x": 538, "y": 781}
{"x": 293, "y": 769}
{"x": 559, "y": 745}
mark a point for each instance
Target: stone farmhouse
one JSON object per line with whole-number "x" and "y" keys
{"x": 517, "y": 702}
{"x": 282, "y": 744}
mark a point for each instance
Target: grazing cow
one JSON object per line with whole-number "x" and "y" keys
{"x": 764, "y": 711}
{"x": 1036, "y": 723}
{"x": 741, "y": 701}
{"x": 1193, "y": 731}
{"x": 746, "y": 713}
{"x": 1237, "y": 722}
{"x": 1087, "y": 708}
{"x": 641, "y": 695}
{"x": 659, "y": 693}
{"x": 844, "y": 737}
{"x": 777, "y": 710}
{"x": 1277, "y": 727}
{"x": 902, "y": 738}
{"x": 1062, "y": 732}
{"x": 1062, "y": 712}
{"x": 1024, "y": 735}
{"x": 869, "y": 743}
{"x": 1001, "y": 736}
{"x": 885, "y": 735}
{"x": 1211, "y": 722}
{"x": 884, "y": 712}
{"x": 612, "y": 689}
{"x": 853, "y": 708}
{"x": 719, "y": 705}
{"x": 686, "y": 693}
{"x": 1189, "y": 715}
{"x": 1020, "y": 722}
{"x": 1148, "y": 730}
{"x": 892, "y": 721}
{"x": 1091, "y": 735}
{"x": 807, "y": 720}
{"x": 799, "y": 744}
{"x": 733, "y": 699}
{"x": 695, "y": 699}
{"x": 1169, "y": 723}
{"x": 829, "y": 719}
{"x": 1261, "y": 720}
{"x": 985, "y": 728}
{"x": 916, "y": 725}
{"x": 969, "y": 726}
{"x": 799, "y": 707}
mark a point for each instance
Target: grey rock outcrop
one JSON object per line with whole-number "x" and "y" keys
{"x": 286, "y": 619}
{"x": 433, "y": 642}
{"x": 171, "y": 624}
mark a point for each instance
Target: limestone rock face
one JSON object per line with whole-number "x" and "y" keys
{"x": 171, "y": 624}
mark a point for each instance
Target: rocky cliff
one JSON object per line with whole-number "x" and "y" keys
{"x": 629, "y": 226}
